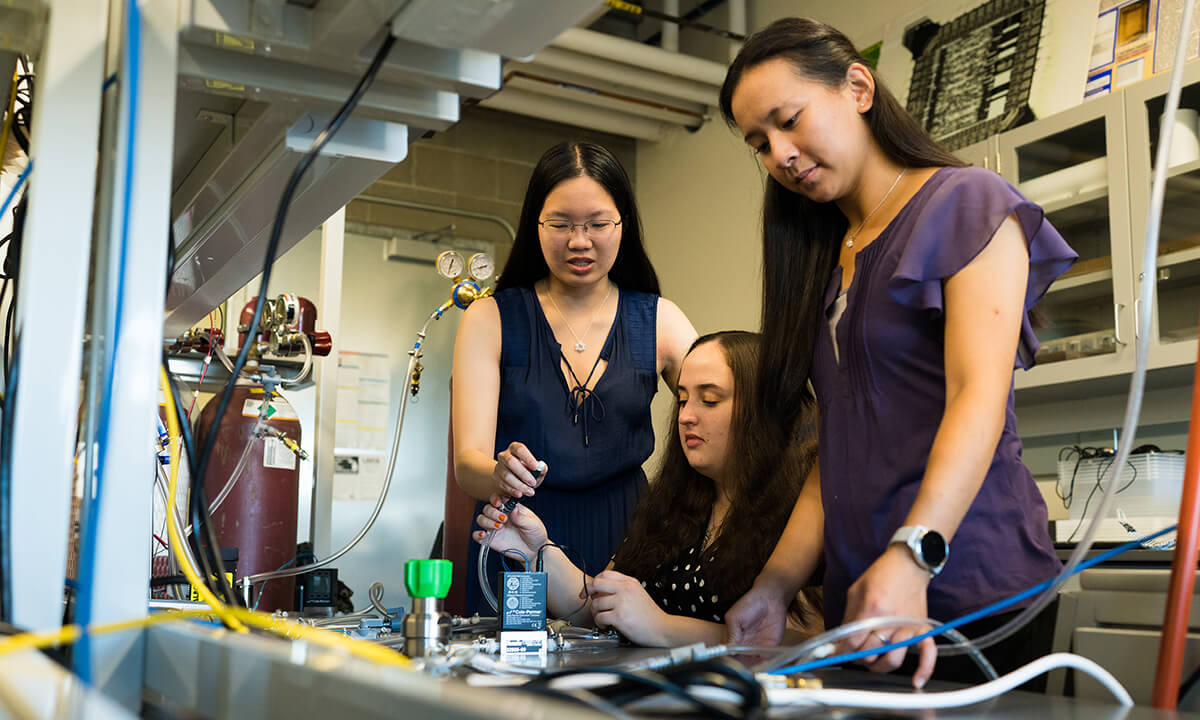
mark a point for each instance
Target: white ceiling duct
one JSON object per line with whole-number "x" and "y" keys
{"x": 601, "y": 82}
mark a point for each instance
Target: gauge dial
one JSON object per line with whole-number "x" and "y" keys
{"x": 450, "y": 264}
{"x": 481, "y": 266}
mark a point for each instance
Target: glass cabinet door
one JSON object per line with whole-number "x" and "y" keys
{"x": 981, "y": 154}
{"x": 1072, "y": 165}
{"x": 1176, "y": 322}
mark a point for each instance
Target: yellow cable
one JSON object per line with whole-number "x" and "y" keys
{"x": 235, "y": 617}
{"x": 174, "y": 532}
{"x": 288, "y": 629}
{"x": 8, "y": 119}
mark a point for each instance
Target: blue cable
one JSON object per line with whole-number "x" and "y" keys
{"x": 16, "y": 188}
{"x": 515, "y": 551}
{"x": 968, "y": 618}
{"x": 87, "y": 567}
{"x": 263, "y": 589}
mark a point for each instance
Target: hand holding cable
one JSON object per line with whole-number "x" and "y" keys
{"x": 517, "y": 472}
{"x": 893, "y": 585}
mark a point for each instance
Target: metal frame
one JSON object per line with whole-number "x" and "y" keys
{"x": 1140, "y": 165}
{"x": 1112, "y": 111}
{"x": 222, "y": 675}
{"x": 50, "y": 306}
{"x": 333, "y": 244}
{"x": 32, "y": 686}
{"x": 122, "y": 571}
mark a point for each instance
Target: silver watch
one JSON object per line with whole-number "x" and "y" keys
{"x": 929, "y": 549}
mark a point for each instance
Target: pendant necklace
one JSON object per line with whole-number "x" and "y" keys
{"x": 580, "y": 346}
{"x": 850, "y": 237}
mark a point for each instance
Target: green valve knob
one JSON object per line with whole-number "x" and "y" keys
{"x": 427, "y": 578}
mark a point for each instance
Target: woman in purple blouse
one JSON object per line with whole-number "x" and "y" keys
{"x": 897, "y": 281}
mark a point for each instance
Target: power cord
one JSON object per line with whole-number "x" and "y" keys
{"x": 1103, "y": 467}
{"x": 568, "y": 551}
{"x": 633, "y": 685}
{"x": 965, "y": 619}
{"x": 199, "y": 508}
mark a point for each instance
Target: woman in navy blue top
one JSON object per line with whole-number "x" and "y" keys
{"x": 897, "y": 282}
{"x": 559, "y": 368}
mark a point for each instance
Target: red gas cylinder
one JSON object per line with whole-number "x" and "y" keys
{"x": 259, "y": 515}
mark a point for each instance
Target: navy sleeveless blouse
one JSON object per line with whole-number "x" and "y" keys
{"x": 593, "y": 442}
{"x": 881, "y": 406}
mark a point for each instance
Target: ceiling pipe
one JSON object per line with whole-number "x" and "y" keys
{"x": 737, "y": 24}
{"x": 523, "y": 102}
{"x": 670, "y": 31}
{"x": 638, "y": 55}
{"x": 618, "y": 73}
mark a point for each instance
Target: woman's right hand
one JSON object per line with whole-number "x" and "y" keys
{"x": 758, "y": 618}
{"x": 521, "y": 530}
{"x": 513, "y": 473}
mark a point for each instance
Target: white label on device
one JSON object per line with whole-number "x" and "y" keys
{"x": 523, "y": 643}
{"x": 277, "y": 455}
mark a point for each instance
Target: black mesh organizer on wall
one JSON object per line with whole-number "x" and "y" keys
{"x": 972, "y": 78}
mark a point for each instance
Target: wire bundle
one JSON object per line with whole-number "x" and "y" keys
{"x": 198, "y": 502}
{"x": 742, "y": 695}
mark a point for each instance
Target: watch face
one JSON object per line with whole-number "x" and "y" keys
{"x": 933, "y": 548}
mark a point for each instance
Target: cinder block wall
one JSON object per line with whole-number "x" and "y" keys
{"x": 482, "y": 164}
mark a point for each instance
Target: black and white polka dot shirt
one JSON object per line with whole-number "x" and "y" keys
{"x": 680, "y": 587}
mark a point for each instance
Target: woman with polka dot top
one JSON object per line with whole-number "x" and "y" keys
{"x": 706, "y": 526}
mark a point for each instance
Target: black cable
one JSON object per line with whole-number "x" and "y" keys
{"x": 647, "y": 679}
{"x": 1099, "y": 478}
{"x": 720, "y": 673}
{"x": 197, "y": 480}
{"x": 185, "y": 432}
{"x": 3, "y": 294}
{"x": 567, "y": 550}
{"x": 164, "y": 580}
{"x": 12, "y": 264}
{"x": 22, "y": 138}
{"x": 172, "y": 250}
{"x": 1186, "y": 686}
{"x": 583, "y": 697}
{"x": 6, "y": 437}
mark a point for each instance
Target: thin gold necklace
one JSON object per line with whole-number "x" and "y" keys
{"x": 851, "y": 236}
{"x": 580, "y": 345}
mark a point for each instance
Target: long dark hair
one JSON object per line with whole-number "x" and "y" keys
{"x": 763, "y": 488}
{"x": 526, "y": 264}
{"x": 800, "y": 237}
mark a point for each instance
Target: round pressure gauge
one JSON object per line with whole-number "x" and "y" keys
{"x": 481, "y": 266}
{"x": 450, "y": 264}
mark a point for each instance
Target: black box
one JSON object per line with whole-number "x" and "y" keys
{"x": 523, "y": 600}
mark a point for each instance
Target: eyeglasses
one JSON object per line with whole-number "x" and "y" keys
{"x": 594, "y": 229}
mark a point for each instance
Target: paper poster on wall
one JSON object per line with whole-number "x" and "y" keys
{"x": 357, "y": 477}
{"x": 1134, "y": 40}
{"x": 363, "y": 397}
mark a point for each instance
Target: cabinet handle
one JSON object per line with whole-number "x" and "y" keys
{"x": 1137, "y": 313}
{"x": 998, "y": 163}
{"x": 1117, "y": 323}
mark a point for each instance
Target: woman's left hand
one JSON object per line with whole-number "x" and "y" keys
{"x": 620, "y": 601}
{"x": 893, "y": 585}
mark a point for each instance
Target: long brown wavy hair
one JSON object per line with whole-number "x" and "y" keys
{"x": 800, "y": 236}
{"x": 763, "y": 487}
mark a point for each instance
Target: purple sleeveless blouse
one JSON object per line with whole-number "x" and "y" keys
{"x": 881, "y": 407}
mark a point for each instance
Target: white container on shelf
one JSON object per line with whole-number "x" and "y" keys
{"x": 1185, "y": 141}
{"x": 1067, "y": 183}
{"x": 1148, "y": 485}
